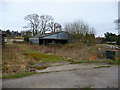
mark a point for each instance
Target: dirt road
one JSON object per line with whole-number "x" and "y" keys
{"x": 69, "y": 76}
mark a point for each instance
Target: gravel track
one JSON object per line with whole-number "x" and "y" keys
{"x": 69, "y": 76}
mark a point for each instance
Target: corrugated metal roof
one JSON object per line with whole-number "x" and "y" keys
{"x": 52, "y": 39}
{"x": 47, "y": 34}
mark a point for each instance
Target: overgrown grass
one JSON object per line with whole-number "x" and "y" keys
{"x": 20, "y": 57}
{"x": 38, "y": 67}
{"x": 102, "y": 66}
{"x": 10, "y": 52}
{"x": 30, "y": 52}
{"x": 18, "y": 75}
{"x": 45, "y": 57}
{"x": 115, "y": 62}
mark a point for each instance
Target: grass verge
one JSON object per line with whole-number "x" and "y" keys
{"x": 115, "y": 62}
{"x": 19, "y": 75}
{"x": 102, "y": 66}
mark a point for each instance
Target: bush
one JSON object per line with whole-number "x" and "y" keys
{"x": 26, "y": 38}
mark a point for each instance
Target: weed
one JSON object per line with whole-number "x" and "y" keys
{"x": 18, "y": 75}
{"x": 102, "y": 66}
{"x": 45, "y": 57}
{"x": 38, "y": 67}
{"x": 20, "y": 57}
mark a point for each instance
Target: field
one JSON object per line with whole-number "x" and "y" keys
{"x": 21, "y": 58}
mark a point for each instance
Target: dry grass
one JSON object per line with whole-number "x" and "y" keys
{"x": 19, "y": 58}
{"x": 75, "y": 51}
{"x": 13, "y": 61}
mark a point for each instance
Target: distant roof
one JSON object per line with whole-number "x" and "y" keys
{"x": 47, "y": 34}
{"x": 99, "y": 37}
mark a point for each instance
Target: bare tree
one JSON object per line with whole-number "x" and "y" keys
{"x": 55, "y": 26}
{"x": 45, "y": 20}
{"x": 79, "y": 30}
{"x": 33, "y": 23}
{"x": 79, "y": 27}
{"x": 41, "y": 24}
{"x": 117, "y": 21}
{"x": 51, "y": 26}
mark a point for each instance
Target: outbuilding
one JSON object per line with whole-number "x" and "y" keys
{"x": 51, "y": 38}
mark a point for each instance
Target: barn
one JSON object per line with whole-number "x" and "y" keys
{"x": 50, "y": 38}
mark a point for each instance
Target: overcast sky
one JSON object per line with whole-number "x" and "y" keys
{"x": 100, "y": 15}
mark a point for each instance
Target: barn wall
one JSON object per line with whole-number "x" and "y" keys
{"x": 34, "y": 40}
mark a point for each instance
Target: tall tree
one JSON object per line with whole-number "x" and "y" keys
{"x": 45, "y": 20}
{"x": 117, "y": 21}
{"x": 33, "y": 23}
{"x": 8, "y": 33}
{"x": 41, "y": 24}
{"x": 79, "y": 27}
{"x": 54, "y": 27}
{"x": 57, "y": 27}
{"x": 110, "y": 37}
{"x": 79, "y": 30}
